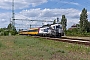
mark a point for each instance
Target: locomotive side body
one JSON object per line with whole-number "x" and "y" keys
{"x": 56, "y": 30}
{"x": 43, "y": 31}
{"x": 33, "y": 31}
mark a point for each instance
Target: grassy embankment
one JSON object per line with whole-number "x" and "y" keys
{"x": 29, "y": 48}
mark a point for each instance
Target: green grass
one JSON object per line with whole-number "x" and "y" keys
{"x": 29, "y": 48}
{"x": 1, "y": 45}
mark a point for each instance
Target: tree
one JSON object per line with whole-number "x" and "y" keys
{"x": 64, "y": 22}
{"x": 12, "y": 29}
{"x": 83, "y": 21}
{"x": 88, "y": 29}
{"x": 54, "y": 22}
{"x": 9, "y": 26}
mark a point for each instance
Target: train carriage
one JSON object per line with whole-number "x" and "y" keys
{"x": 25, "y": 32}
{"x": 33, "y": 31}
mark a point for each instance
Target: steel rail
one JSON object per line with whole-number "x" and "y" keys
{"x": 69, "y": 40}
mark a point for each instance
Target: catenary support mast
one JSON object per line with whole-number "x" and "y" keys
{"x": 13, "y": 14}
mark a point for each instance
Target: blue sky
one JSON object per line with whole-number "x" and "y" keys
{"x": 42, "y": 10}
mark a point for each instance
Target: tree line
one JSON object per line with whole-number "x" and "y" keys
{"x": 82, "y": 29}
{"x": 10, "y": 30}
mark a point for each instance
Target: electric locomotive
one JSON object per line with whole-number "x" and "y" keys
{"x": 53, "y": 30}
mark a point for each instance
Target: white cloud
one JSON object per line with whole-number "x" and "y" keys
{"x": 4, "y": 19}
{"x": 71, "y": 14}
{"x": 20, "y": 4}
{"x": 66, "y": 2}
{"x": 50, "y": 12}
{"x": 73, "y": 3}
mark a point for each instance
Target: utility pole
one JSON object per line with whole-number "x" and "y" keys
{"x": 30, "y": 26}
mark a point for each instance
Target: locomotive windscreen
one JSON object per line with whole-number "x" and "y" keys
{"x": 58, "y": 26}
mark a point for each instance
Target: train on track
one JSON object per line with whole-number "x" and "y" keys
{"x": 53, "y": 30}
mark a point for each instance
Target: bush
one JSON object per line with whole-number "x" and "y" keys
{"x": 6, "y": 33}
{"x": 10, "y": 29}
{"x": 75, "y": 32}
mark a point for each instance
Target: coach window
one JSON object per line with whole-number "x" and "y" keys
{"x": 33, "y": 30}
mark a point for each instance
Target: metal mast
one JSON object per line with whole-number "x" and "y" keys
{"x": 13, "y": 17}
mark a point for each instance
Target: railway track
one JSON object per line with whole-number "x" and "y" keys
{"x": 70, "y": 40}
